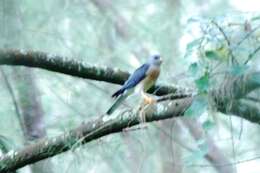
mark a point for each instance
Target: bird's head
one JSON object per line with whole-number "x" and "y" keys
{"x": 155, "y": 60}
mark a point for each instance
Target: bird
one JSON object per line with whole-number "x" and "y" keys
{"x": 140, "y": 81}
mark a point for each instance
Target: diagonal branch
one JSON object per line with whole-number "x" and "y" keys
{"x": 14, "y": 100}
{"x": 214, "y": 155}
{"x": 90, "y": 131}
{"x": 251, "y": 55}
{"x": 97, "y": 128}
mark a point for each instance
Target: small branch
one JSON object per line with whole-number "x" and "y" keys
{"x": 247, "y": 35}
{"x": 251, "y": 55}
{"x": 225, "y": 164}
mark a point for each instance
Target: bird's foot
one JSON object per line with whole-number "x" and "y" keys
{"x": 148, "y": 100}
{"x": 142, "y": 113}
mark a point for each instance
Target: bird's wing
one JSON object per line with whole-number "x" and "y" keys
{"x": 138, "y": 75}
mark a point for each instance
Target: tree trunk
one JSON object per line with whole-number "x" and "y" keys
{"x": 31, "y": 112}
{"x": 214, "y": 155}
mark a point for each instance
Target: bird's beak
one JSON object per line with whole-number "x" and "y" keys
{"x": 161, "y": 60}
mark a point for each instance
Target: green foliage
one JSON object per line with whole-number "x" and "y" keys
{"x": 5, "y": 144}
{"x": 193, "y": 44}
{"x": 255, "y": 78}
{"x": 198, "y": 107}
{"x": 224, "y": 48}
{"x": 238, "y": 70}
{"x": 212, "y": 55}
{"x": 194, "y": 69}
{"x": 203, "y": 83}
{"x": 208, "y": 125}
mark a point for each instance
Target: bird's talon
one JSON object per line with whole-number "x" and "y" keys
{"x": 149, "y": 100}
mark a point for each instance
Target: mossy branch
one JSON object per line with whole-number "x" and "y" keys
{"x": 71, "y": 67}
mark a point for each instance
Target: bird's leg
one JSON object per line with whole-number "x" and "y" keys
{"x": 145, "y": 102}
{"x": 142, "y": 115}
{"x": 148, "y": 99}
{"x": 141, "y": 112}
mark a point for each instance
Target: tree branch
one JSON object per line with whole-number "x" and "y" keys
{"x": 71, "y": 67}
{"x": 98, "y": 128}
{"x": 92, "y": 130}
{"x": 106, "y": 125}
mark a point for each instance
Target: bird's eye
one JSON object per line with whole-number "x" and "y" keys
{"x": 156, "y": 57}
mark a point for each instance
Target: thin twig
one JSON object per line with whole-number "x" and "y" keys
{"x": 224, "y": 164}
{"x": 253, "y": 99}
{"x": 251, "y": 55}
{"x": 246, "y": 36}
{"x": 233, "y": 59}
{"x": 17, "y": 110}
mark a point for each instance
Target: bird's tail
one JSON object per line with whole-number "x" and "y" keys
{"x": 118, "y": 92}
{"x": 119, "y": 100}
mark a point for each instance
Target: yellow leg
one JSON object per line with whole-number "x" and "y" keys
{"x": 148, "y": 99}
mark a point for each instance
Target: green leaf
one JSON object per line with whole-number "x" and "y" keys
{"x": 238, "y": 70}
{"x": 255, "y": 18}
{"x": 198, "y": 107}
{"x": 208, "y": 125}
{"x": 255, "y": 77}
{"x": 5, "y": 144}
{"x": 193, "y": 69}
{"x": 192, "y": 44}
{"x": 203, "y": 83}
{"x": 212, "y": 55}
{"x": 193, "y": 19}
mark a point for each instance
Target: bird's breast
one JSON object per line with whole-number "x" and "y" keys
{"x": 153, "y": 73}
{"x": 151, "y": 77}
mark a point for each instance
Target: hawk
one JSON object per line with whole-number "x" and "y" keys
{"x": 140, "y": 81}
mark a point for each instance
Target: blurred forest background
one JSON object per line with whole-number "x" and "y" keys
{"x": 121, "y": 34}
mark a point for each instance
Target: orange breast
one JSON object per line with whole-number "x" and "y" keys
{"x": 151, "y": 78}
{"x": 153, "y": 74}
